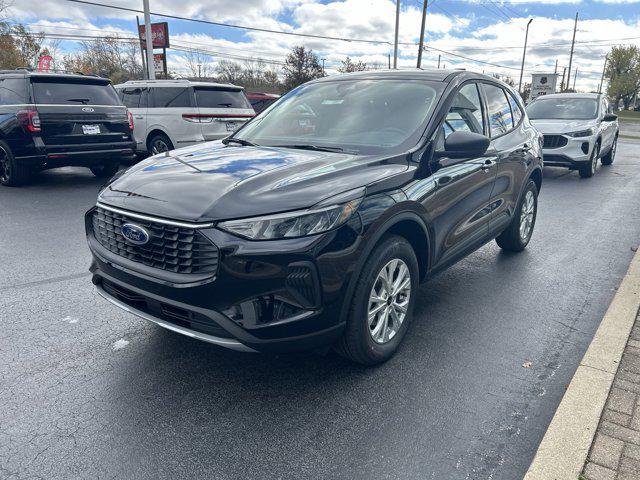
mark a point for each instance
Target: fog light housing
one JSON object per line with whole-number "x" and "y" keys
{"x": 585, "y": 147}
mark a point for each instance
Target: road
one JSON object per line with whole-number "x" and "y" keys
{"x": 88, "y": 391}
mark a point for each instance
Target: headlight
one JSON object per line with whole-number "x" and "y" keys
{"x": 581, "y": 133}
{"x": 293, "y": 224}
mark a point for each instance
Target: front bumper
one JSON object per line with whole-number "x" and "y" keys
{"x": 576, "y": 153}
{"x": 274, "y": 296}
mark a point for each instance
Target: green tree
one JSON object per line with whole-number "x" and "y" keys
{"x": 623, "y": 73}
{"x": 349, "y": 65}
{"x": 300, "y": 66}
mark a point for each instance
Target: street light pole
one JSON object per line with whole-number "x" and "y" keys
{"x": 149, "y": 41}
{"x": 524, "y": 54}
{"x": 573, "y": 43}
{"x": 604, "y": 69}
{"x": 395, "y": 43}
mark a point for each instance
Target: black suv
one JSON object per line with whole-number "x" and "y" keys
{"x": 56, "y": 120}
{"x": 313, "y": 225}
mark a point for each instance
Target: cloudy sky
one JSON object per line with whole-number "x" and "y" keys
{"x": 489, "y": 31}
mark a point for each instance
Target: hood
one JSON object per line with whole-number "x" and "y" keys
{"x": 559, "y": 127}
{"x": 214, "y": 181}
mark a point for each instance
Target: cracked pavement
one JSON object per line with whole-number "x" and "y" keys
{"x": 88, "y": 391}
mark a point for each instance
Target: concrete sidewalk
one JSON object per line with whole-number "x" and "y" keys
{"x": 615, "y": 452}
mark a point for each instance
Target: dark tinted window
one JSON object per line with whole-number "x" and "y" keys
{"x": 131, "y": 97}
{"x": 221, "y": 98}
{"x": 65, "y": 92}
{"x": 13, "y": 91}
{"x": 465, "y": 112}
{"x": 171, "y": 97}
{"x": 499, "y": 111}
{"x": 515, "y": 108}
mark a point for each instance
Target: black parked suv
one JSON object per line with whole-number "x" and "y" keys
{"x": 313, "y": 225}
{"x": 55, "y": 120}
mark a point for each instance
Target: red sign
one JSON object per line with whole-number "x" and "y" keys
{"x": 44, "y": 63}
{"x": 159, "y": 35}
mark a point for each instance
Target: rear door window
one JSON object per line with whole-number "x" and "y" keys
{"x": 500, "y": 119}
{"x": 13, "y": 91}
{"x": 67, "y": 92}
{"x": 220, "y": 98}
{"x": 131, "y": 97}
{"x": 171, "y": 97}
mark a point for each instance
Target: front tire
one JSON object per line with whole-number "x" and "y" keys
{"x": 611, "y": 155}
{"x": 105, "y": 170}
{"x": 12, "y": 173}
{"x": 589, "y": 170}
{"x": 518, "y": 234}
{"x": 383, "y": 303}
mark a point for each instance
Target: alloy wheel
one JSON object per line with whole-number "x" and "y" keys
{"x": 526, "y": 215}
{"x": 594, "y": 161}
{"x": 159, "y": 146}
{"x": 389, "y": 301}
{"x": 5, "y": 166}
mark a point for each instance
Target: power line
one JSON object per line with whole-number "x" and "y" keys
{"x": 229, "y": 25}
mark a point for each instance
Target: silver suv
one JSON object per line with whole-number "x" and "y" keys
{"x": 170, "y": 114}
{"x": 578, "y": 129}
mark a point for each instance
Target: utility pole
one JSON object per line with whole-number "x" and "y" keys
{"x": 424, "y": 19}
{"x": 573, "y": 43}
{"x": 604, "y": 69}
{"x": 575, "y": 77}
{"x": 323, "y": 59}
{"x": 395, "y": 43}
{"x": 199, "y": 70}
{"x": 439, "y": 61}
{"x": 555, "y": 70}
{"x": 564, "y": 72}
{"x": 389, "y": 58}
{"x": 149, "y": 41}
{"x": 524, "y": 54}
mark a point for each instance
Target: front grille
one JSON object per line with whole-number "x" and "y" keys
{"x": 170, "y": 248}
{"x": 554, "y": 141}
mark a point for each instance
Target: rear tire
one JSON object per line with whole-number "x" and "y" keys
{"x": 589, "y": 170}
{"x": 517, "y": 235}
{"x": 611, "y": 155}
{"x": 159, "y": 143}
{"x": 381, "y": 310}
{"x": 12, "y": 173}
{"x": 105, "y": 170}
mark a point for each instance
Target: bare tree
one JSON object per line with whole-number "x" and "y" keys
{"x": 349, "y": 65}
{"x": 229, "y": 72}
{"x": 108, "y": 57}
{"x": 199, "y": 64}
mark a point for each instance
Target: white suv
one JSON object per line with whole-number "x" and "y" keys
{"x": 578, "y": 129}
{"x": 171, "y": 114}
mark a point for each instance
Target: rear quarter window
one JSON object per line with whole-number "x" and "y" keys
{"x": 67, "y": 92}
{"x": 500, "y": 119}
{"x": 221, "y": 98}
{"x": 13, "y": 91}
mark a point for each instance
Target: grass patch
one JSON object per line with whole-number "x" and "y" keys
{"x": 629, "y": 116}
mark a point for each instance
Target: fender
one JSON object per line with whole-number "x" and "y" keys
{"x": 371, "y": 240}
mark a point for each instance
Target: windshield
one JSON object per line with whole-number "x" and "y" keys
{"x": 221, "y": 98}
{"x": 65, "y": 92}
{"x": 563, "y": 109}
{"x": 364, "y": 116}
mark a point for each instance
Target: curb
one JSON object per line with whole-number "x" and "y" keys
{"x": 564, "y": 448}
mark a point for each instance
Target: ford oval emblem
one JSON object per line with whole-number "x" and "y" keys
{"x": 134, "y": 234}
{"x": 88, "y": 110}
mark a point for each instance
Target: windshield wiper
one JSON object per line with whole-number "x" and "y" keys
{"x": 304, "y": 146}
{"x": 244, "y": 143}
{"x": 84, "y": 101}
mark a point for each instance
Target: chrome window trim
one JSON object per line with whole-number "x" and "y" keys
{"x": 155, "y": 219}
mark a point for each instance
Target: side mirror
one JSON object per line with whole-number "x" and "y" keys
{"x": 610, "y": 117}
{"x": 465, "y": 145}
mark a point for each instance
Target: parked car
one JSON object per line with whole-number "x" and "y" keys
{"x": 578, "y": 128}
{"x": 171, "y": 114}
{"x": 314, "y": 224}
{"x": 260, "y": 101}
{"x": 52, "y": 120}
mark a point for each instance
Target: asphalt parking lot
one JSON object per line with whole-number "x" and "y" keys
{"x": 88, "y": 391}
